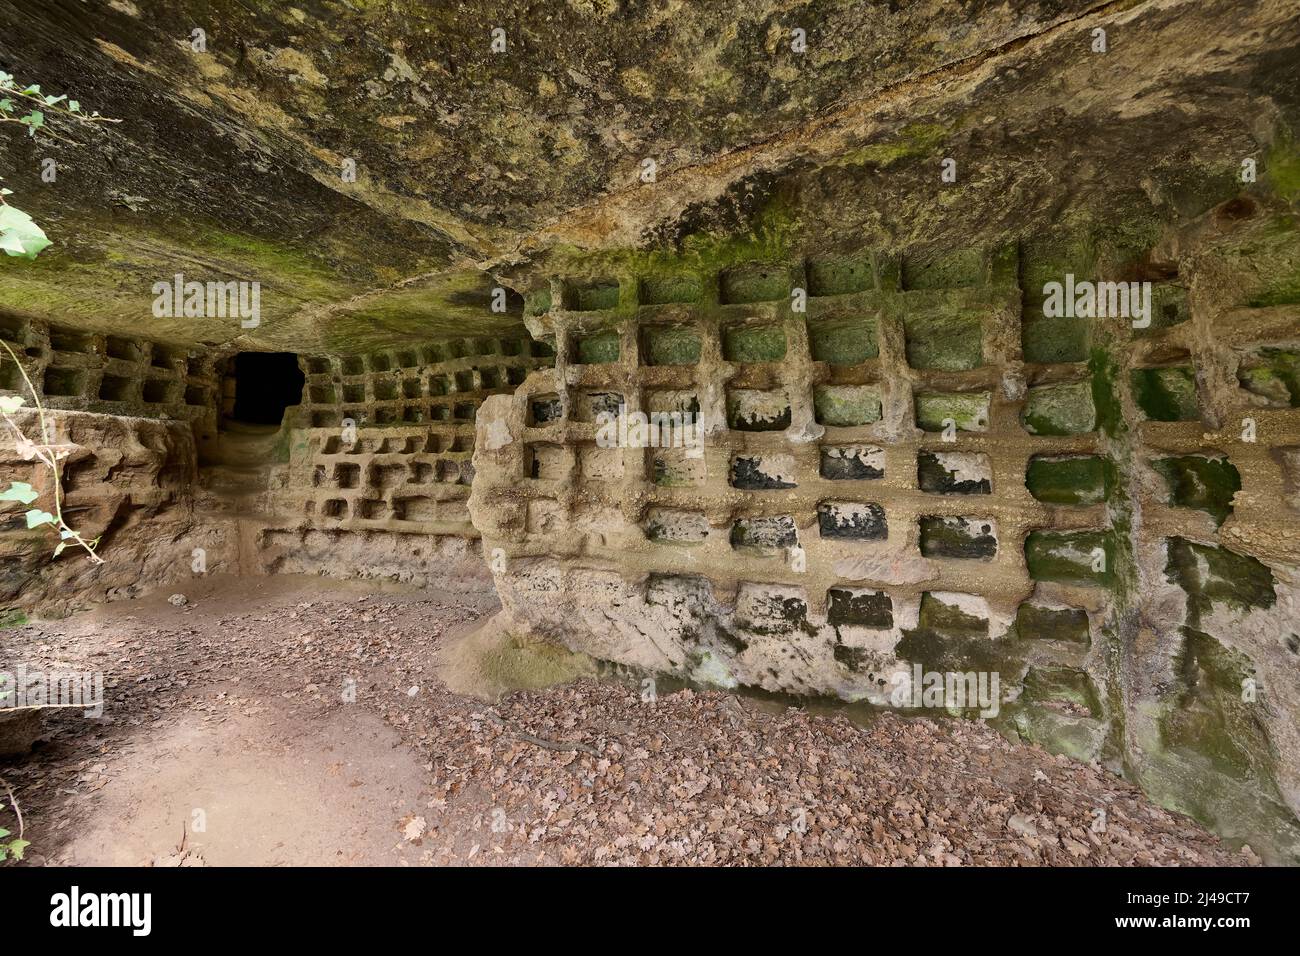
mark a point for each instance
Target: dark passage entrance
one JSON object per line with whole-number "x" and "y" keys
{"x": 266, "y": 383}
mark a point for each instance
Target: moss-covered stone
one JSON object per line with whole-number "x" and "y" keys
{"x": 1054, "y": 340}
{"x": 1071, "y": 557}
{"x": 1066, "y": 685}
{"x": 1060, "y": 711}
{"x": 949, "y": 341}
{"x": 1273, "y": 374}
{"x": 967, "y": 266}
{"x": 753, "y": 343}
{"x": 755, "y": 282}
{"x": 1069, "y": 479}
{"x": 1168, "y": 306}
{"x": 1166, "y": 394}
{"x": 669, "y": 289}
{"x": 601, "y": 348}
{"x": 945, "y": 537}
{"x": 1060, "y": 409}
{"x": 1215, "y": 575}
{"x": 944, "y": 617}
{"x": 594, "y": 296}
{"x": 670, "y": 345}
{"x": 672, "y": 468}
{"x": 846, "y": 405}
{"x": 843, "y": 341}
{"x": 1037, "y": 622}
{"x": 12, "y": 617}
{"x": 1200, "y": 481}
{"x": 1282, "y": 167}
{"x": 968, "y": 411}
{"x": 1208, "y": 714}
{"x": 948, "y": 639}
{"x": 840, "y": 276}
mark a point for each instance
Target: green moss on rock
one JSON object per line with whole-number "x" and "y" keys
{"x": 1274, "y": 374}
{"x": 845, "y": 341}
{"x": 1069, "y": 479}
{"x": 969, "y": 411}
{"x": 1202, "y": 482}
{"x": 1060, "y": 409}
{"x": 1071, "y": 557}
{"x": 667, "y": 289}
{"x": 1166, "y": 394}
{"x": 946, "y": 537}
{"x": 1214, "y": 575}
{"x": 1036, "y": 622}
{"x": 944, "y": 340}
{"x": 601, "y": 348}
{"x": 670, "y": 345}
{"x": 846, "y": 406}
{"x": 1054, "y": 340}
{"x": 753, "y": 343}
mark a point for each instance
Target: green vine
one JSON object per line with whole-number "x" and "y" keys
{"x": 49, "y": 454}
{"x": 27, "y": 106}
{"x": 12, "y": 849}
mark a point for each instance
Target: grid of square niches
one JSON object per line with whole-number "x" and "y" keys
{"x": 443, "y": 382}
{"x": 944, "y": 365}
{"x": 1038, "y": 515}
{"x": 78, "y": 370}
{"x": 392, "y": 478}
{"x": 944, "y": 349}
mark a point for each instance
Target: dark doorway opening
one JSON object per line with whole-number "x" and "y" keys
{"x": 266, "y": 383}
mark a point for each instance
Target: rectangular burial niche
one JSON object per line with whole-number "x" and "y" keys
{"x": 266, "y": 385}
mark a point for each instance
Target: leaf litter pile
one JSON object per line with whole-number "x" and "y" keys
{"x": 588, "y": 772}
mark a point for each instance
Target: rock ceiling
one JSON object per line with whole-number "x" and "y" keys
{"x": 475, "y": 167}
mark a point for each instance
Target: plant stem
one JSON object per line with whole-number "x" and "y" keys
{"x": 52, "y": 461}
{"x": 13, "y": 803}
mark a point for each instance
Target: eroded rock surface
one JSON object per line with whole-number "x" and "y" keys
{"x": 728, "y": 357}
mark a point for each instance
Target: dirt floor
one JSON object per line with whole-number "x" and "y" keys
{"x": 294, "y": 720}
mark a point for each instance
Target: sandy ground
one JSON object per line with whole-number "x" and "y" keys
{"x": 291, "y": 720}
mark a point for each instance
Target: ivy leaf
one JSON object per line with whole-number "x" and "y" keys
{"x": 17, "y": 847}
{"x": 7, "y": 105}
{"x": 59, "y": 550}
{"x": 52, "y": 100}
{"x": 19, "y": 235}
{"x": 33, "y": 90}
{"x": 74, "y": 106}
{"x": 11, "y": 403}
{"x": 36, "y": 517}
{"x": 19, "y": 491}
{"x": 34, "y": 121}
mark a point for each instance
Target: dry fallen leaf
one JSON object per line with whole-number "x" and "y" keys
{"x": 414, "y": 829}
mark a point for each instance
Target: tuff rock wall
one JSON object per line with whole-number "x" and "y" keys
{"x": 377, "y": 461}
{"x": 367, "y": 474}
{"x": 919, "y": 468}
{"x": 129, "y": 413}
